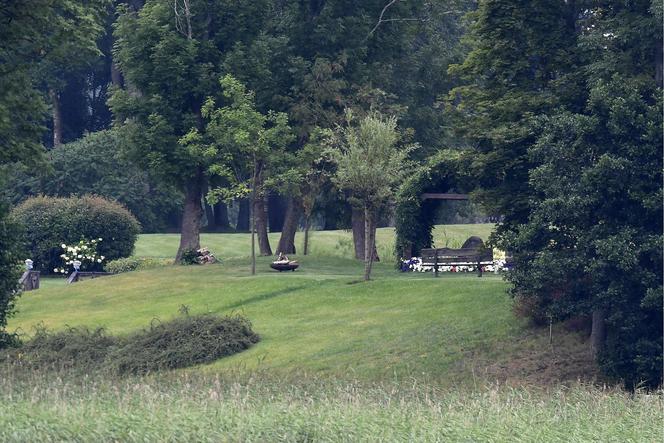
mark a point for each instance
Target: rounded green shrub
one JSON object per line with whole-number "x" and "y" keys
{"x": 48, "y": 222}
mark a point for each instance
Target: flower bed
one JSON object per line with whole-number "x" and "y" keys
{"x": 414, "y": 264}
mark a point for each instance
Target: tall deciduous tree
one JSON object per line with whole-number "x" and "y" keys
{"x": 171, "y": 54}
{"x": 242, "y": 146}
{"x": 370, "y": 166}
{"x": 78, "y": 25}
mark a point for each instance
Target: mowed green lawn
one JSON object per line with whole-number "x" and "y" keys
{"x": 320, "y": 318}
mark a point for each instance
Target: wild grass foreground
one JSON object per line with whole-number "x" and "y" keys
{"x": 182, "y": 407}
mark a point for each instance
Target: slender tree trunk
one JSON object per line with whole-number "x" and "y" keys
{"x": 57, "y": 117}
{"x": 598, "y": 333}
{"x": 659, "y": 65}
{"x": 305, "y": 246}
{"x": 287, "y": 239}
{"x": 221, "y": 216}
{"x": 209, "y": 217}
{"x": 191, "y": 217}
{"x": 369, "y": 245}
{"x": 252, "y": 214}
{"x": 243, "y": 216}
{"x": 260, "y": 221}
{"x": 276, "y": 210}
{"x": 358, "y": 225}
{"x": 116, "y": 75}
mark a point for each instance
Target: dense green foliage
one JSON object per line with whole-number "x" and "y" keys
{"x": 10, "y": 270}
{"x": 181, "y": 342}
{"x": 48, "y": 222}
{"x": 568, "y": 130}
{"x": 30, "y": 34}
{"x": 415, "y": 218}
{"x": 95, "y": 165}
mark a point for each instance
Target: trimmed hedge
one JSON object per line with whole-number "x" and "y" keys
{"x": 47, "y": 222}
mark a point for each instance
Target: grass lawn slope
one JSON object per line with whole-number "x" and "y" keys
{"x": 321, "y": 319}
{"x": 405, "y": 357}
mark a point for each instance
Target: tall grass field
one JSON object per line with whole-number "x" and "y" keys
{"x": 404, "y": 357}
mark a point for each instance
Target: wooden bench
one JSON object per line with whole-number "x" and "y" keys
{"x": 77, "y": 275}
{"x": 471, "y": 253}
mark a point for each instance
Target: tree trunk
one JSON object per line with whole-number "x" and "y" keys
{"x": 260, "y": 221}
{"x": 276, "y": 210}
{"x": 209, "y": 217}
{"x": 252, "y": 213}
{"x": 287, "y": 239}
{"x": 598, "y": 333}
{"x": 305, "y": 246}
{"x": 659, "y": 65}
{"x": 357, "y": 222}
{"x": 57, "y": 117}
{"x": 221, "y": 216}
{"x": 369, "y": 244}
{"x": 116, "y": 74}
{"x": 358, "y": 225}
{"x": 191, "y": 217}
{"x": 243, "y": 216}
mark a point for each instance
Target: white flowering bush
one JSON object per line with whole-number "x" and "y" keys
{"x": 414, "y": 264}
{"x": 82, "y": 255}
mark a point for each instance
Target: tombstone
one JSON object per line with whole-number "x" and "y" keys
{"x": 473, "y": 243}
{"x": 30, "y": 279}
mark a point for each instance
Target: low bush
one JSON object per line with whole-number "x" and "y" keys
{"x": 129, "y": 264}
{"x": 530, "y": 308}
{"x": 182, "y": 342}
{"x": 73, "y": 348}
{"x": 48, "y": 222}
{"x": 189, "y": 257}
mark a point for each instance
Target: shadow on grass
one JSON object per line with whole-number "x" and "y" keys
{"x": 262, "y": 297}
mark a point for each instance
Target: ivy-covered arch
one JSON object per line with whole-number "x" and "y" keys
{"x": 445, "y": 172}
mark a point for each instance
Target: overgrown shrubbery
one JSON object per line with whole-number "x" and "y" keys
{"x": 182, "y": 342}
{"x": 129, "y": 264}
{"x": 48, "y": 222}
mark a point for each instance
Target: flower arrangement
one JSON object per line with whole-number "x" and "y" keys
{"x": 84, "y": 254}
{"x": 414, "y": 264}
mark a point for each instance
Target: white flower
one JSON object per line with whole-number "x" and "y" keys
{"x": 63, "y": 246}
{"x": 102, "y": 257}
{"x": 79, "y": 256}
{"x": 99, "y": 260}
{"x": 56, "y": 270}
{"x": 99, "y": 239}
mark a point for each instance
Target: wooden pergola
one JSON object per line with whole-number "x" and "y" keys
{"x": 443, "y": 196}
